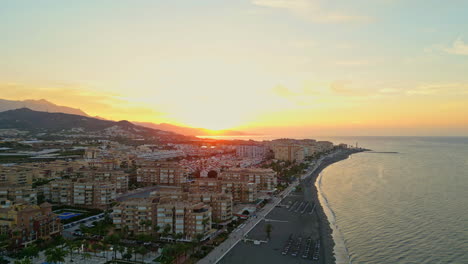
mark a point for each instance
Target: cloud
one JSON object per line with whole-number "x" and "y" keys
{"x": 311, "y": 10}
{"x": 440, "y": 89}
{"x": 342, "y": 87}
{"x": 458, "y": 47}
{"x": 351, "y": 63}
{"x": 283, "y": 91}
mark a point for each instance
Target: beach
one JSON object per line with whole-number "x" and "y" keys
{"x": 299, "y": 218}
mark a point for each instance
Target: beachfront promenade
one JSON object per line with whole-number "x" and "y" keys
{"x": 237, "y": 235}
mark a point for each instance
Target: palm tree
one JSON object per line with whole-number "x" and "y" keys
{"x": 30, "y": 252}
{"x": 121, "y": 250}
{"x": 204, "y": 223}
{"x": 178, "y": 236}
{"x": 95, "y": 247}
{"x": 128, "y": 255}
{"x": 71, "y": 245}
{"x": 23, "y": 261}
{"x": 55, "y": 255}
{"x": 113, "y": 240}
{"x": 268, "y": 229}
{"x": 142, "y": 251}
{"x": 166, "y": 230}
{"x": 86, "y": 256}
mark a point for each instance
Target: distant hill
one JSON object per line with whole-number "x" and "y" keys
{"x": 190, "y": 131}
{"x": 34, "y": 121}
{"x": 39, "y": 105}
{"x": 46, "y": 106}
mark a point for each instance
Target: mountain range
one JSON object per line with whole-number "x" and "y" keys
{"x": 25, "y": 119}
{"x": 43, "y": 105}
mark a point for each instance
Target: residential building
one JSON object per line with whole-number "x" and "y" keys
{"x": 265, "y": 179}
{"x": 25, "y": 224}
{"x": 18, "y": 194}
{"x": 161, "y": 173}
{"x": 137, "y": 216}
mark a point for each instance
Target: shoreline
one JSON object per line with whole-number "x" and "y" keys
{"x": 325, "y": 229}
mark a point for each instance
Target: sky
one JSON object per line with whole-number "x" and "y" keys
{"x": 284, "y": 67}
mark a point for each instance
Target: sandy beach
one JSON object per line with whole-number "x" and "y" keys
{"x": 300, "y": 217}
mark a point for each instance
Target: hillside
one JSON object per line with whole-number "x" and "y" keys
{"x": 25, "y": 119}
{"x": 39, "y": 105}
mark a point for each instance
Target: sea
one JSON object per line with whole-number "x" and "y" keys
{"x": 406, "y": 201}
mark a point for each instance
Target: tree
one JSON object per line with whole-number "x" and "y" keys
{"x": 204, "y": 223}
{"x": 268, "y": 229}
{"x": 55, "y": 255}
{"x": 71, "y": 245}
{"x": 121, "y": 250}
{"x": 86, "y": 256}
{"x": 128, "y": 254}
{"x": 4, "y": 261}
{"x": 23, "y": 261}
{"x": 178, "y": 236}
{"x": 29, "y": 252}
{"x": 142, "y": 251}
{"x": 166, "y": 230}
{"x": 113, "y": 240}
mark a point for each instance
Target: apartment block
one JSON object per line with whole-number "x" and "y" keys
{"x": 161, "y": 173}
{"x": 25, "y": 224}
{"x": 293, "y": 153}
{"x": 14, "y": 175}
{"x": 59, "y": 192}
{"x": 251, "y": 151}
{"x": 221, "y": 204}
{"x": 241, "y": 191}
{"x": 265, "y": 179}
{"x": 119, "y": 177}
{"x": 94, "y": 194}
{"x": 138, "y": 215}
{"x": 18, "y": 194}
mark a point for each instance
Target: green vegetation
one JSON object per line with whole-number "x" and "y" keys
{"x": 55, "y": 255}
{"x": 287, "y": 170}
{"x": 39, "y": 182}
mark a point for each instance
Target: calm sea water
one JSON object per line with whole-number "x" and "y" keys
{"x": 409, "y": 207}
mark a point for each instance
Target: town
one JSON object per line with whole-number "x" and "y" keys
{"x": 105, "y": 198}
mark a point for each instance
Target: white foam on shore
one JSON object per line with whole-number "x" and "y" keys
{"x": 340, "y": 250}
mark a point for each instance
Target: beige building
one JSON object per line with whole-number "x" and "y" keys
{"x": 161, "y": 173}
{"x": 25, "y": 224}
{"x": 138, "y": 215}
{"x": 59, "y": 192}
{"x": 293, "y": 153}
{"x": 18, "y": 194}
{"x": 119, "y": 177}
{"x": 94, "y": 194}
{"x": 265, "y": 179}
{"x": 142, "y": 215}
{"x": 83, "y": 192}
{"x": 15, "y": 175}
{"x": 221, "y": 204}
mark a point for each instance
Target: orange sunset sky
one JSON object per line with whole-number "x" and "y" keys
{"x": 298, "y": 67}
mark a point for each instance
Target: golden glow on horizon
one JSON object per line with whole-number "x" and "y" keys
{"x": 264, "y": 66}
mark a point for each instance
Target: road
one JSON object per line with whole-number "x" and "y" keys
{"x": 220, "y": 251}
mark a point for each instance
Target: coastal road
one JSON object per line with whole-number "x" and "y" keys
{"x": 220, "y": 251}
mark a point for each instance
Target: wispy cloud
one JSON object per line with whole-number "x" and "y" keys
{"x": 440, "y": 89}
{"x": 351, "y": 63}
{"x": 458, "y": 47}
{"x": 312, "y": 11}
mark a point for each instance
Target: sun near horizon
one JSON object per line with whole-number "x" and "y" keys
{"x": 261, "y": 66}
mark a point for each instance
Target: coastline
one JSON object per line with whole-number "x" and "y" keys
{"x": 328, "y": 253}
